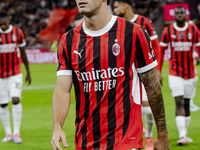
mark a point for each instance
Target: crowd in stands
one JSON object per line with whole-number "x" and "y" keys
{"x": 32, "y": 17}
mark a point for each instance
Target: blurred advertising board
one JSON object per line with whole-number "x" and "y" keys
{"x": 41, "y": 56}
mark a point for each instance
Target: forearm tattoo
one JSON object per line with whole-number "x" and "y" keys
{"x": 155, "y": 97}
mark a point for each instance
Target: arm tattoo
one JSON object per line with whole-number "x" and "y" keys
{"x": 155, "y": 97}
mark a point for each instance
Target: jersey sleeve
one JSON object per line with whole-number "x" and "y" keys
{"x": 197, "y": 40}
{"x": 153, "y": 37}
{"x": 163, "y": 47}
{"x": 21, "y": 41}
{"x": 150, "y": 29}
{"x": 64, "y": 66}
{"x": 145, "y": 58}
{"x": 165, "y": 38}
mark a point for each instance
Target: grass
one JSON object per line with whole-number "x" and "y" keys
{"x": 36, "y": 128}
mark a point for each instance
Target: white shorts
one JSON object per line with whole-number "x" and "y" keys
{"x": 144, "y": 94}
{"x": 180, "y": 86}
{"x": 10, "y": 87}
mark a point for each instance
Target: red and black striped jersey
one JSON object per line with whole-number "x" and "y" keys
{"x": 10, "y": 41}
{"x": 104, "y": 66}
{"x": 147, "y": 24}
{"x": 181, "y": 43}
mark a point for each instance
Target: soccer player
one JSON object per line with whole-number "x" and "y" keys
{"x": 11, "y": 46}
{"x": 123, "y": 8}
{"x": 181, "y": 37}
{"x": 105, "y": 57}
{"x": 196, "y": 57}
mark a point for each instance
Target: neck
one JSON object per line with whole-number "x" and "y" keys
{"x": 182, "y": 24}
{"x": 129, "y": 14}
{"x": 98, "y": 20}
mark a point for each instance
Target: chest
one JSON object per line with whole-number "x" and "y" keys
{"x": 100, "y": 53}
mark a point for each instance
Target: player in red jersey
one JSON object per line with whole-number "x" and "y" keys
{"x": 196, "y": 57}
{"x": 11, "y": 46}
{"x": 181, "y": 38}
{"x": 105, "y": 57}
{"x": 123, "y": 8}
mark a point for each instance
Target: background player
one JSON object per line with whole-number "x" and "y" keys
{"x": 123, "y": 8}
{"x": 11, "y": 44}
{"x": 182, "y": 37}
{"x": 102, "y": 57}
{"x": 196, "y": 57}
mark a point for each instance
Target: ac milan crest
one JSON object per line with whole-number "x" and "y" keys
{"x": 116, "y": 49}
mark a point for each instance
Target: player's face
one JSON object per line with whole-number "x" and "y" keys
{"x": 180, "y": 15}
{"x": 88, "y": 7}
{"x": 119, "y": 9}
{"x": 4, "y": 23}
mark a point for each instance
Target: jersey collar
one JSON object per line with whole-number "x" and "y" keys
{"x": 102, "y": 31}
{"x": 134, "y": 18}
{"x": 180, "y": 29}
{"x": 8, "y": 30}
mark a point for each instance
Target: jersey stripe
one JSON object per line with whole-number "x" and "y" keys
{"x": 120, "y": 61}
{"x": 111, "y": 94}
{"x": 1, "y": 54}
{"x": 104, "y": 104}
{"x": 149, "y": 31}
{"x": 13, "y": 56}
{"x": 142, "y": 22}
{"x": 1, "y": 64}
{"x": 80, "y": 99}
{"x": 99, "y": 94}
{"x": 182, "y": 53}
{"x": 139, "y": 54}
{"x": 7, "y": 56}
{"x": 83, "y": 110}
{"x": 138, "y": 20}
{"x": 186, "y": 54}
{"x": 76, "y": 84}
{"x": 9, "y": 40}
{"x": 17, "y": 32}
{"x": 126, "y": 98}
{"x": 87, "y": 54}
{"x": 4, "y": 64}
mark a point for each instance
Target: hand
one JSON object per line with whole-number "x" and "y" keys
{"x": 28, "y": 78}
{"x": 159, "y": 77}
{"x": 198, "y": 60}
{"x": 58, "y": 135}
{"x": 162, "y": 141}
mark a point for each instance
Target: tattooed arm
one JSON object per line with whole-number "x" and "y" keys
{"x": 155, "y": 98}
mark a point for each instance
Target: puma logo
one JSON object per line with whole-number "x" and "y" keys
{"x": 76, "y": 52}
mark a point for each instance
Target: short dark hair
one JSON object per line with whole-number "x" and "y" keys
{"x": 130, "y": 2}
{"x": 3, "y": 14}
{"x": 179, "y": 7}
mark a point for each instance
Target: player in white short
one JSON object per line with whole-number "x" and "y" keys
{"x": 11, "y": 47}
{"x": 181, "y": 37}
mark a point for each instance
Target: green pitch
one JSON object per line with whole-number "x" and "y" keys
{"x": 36, "y": 128}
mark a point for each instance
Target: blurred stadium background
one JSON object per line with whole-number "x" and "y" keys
{"x": 43, "y": 22}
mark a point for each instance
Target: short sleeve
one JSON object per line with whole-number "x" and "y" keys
{"x": 21, "y": 41}
{"x": 150, "y": 29}
{"x": 64, "y": 66}
{"x": 165, "y": 38}
{"x": 197, "y": 36}
{"x": 144, "y": 57}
